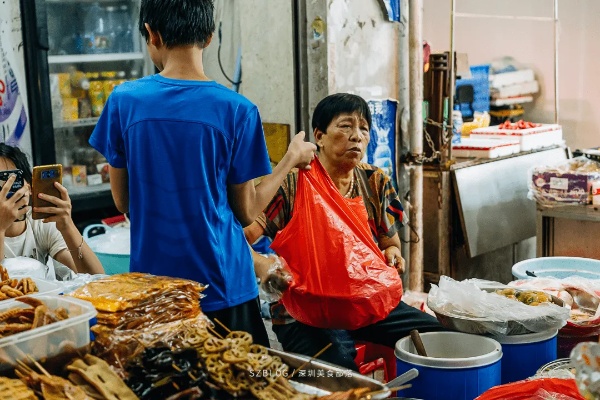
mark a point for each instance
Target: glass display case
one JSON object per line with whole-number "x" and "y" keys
{"x": 93, "y": 46}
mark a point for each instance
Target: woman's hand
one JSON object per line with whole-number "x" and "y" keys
{"x": 301, "y": 152}
{"x": 10, "y": 209}
{"x": 61, "y": 210}
{"x": 394, "y": 259}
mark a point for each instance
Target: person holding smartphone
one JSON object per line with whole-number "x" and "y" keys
{"x": 55, "y": 236}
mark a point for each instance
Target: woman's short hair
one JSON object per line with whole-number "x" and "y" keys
{"x": 336, "y": 104}
{"x": 18, "y": 158}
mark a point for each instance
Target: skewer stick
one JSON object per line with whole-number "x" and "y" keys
{"x": 223, "y": 325}
{"x": 215, "y": 333}
{"x": 370, "y": 395}
{"x": 39, "y": 366}
{"x": 311, "y": 360}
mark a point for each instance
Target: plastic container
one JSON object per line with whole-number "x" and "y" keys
{"x": 460, "y": 366}
{"x": 44, "y": 287}
{"x": 523, "y": 355}
{"x": 484, "y": 148}
{"x": 111, "y": 247}
{"x": 48, "y": 340}
{"x": 557, "y": 267}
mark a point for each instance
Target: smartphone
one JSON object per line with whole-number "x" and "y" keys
{"x": 43, "y": 180}
{"x": 17, "y": 184}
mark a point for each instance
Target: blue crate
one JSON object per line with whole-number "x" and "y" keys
{"x": 481, "y": 88}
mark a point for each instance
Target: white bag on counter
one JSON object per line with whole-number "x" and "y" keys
{"x": 493, "y": 313}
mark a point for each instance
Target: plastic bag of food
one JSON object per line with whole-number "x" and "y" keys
{"x": 586, "y": 359}
{"x": 485, "y": 311}
{"x": 581, "y": 295}
{"x": 136, "y": 300}
{"x": 569, "y": 182}
{"x": 118, "y": 346}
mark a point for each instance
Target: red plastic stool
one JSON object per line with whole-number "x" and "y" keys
{"x": 371, "y": 357}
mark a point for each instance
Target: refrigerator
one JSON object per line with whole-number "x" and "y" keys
{"x": 66, "y": 57}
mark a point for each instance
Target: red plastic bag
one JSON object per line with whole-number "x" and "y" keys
{"x": 543, "y": 388}
{"x": 340, "y": 277}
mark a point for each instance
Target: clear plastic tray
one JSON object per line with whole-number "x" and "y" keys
{"x": 44, "y": 286}
{"x": 50, "y": 340}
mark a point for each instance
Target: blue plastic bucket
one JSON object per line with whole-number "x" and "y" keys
{"x": 523, "y": 355}
{"x": 459, "y": 366}
{"x": 558, "y": 267}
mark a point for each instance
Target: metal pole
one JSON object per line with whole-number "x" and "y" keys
{"x": 416, "y": 141}
{"x": 403, "y": 141}
{"x": 452, "y": 77}
{"x": 556, "y": 119}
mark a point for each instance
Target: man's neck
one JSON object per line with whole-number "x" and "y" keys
{"x": 184, "y": 62}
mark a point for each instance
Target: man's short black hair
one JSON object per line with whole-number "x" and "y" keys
{"x": 18, "y": 158}
{"x": 336, "y": 104}
{"x": 179, "y": 22}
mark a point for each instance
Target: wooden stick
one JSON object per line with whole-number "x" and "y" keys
{"x": 223, "y": 325}
{"x": 311, "y": 360}
{"x": 39, "y": 366}
{"x": 215, "y": 333}
{"x": 416, "y": 338}
{"x": 370, "y": 395}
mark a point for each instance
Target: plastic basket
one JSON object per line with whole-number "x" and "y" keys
{"x": 481, "y": 88}
{"x": 557, "y": 267}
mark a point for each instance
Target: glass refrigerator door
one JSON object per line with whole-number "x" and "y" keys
{"x": 93, "y": 47}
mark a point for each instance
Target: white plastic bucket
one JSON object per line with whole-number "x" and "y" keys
{"x": 112, "y": 247}
{"x": 459, "y": 366}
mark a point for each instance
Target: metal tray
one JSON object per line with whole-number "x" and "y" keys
{"x": 481, "y": 326}
{"x": 327, "y": 378}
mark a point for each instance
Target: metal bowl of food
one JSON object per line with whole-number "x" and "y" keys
{"x": 463, "y": 322}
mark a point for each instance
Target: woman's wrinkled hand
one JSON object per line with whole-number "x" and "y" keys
{"x": 393, "y": 258}
{"x": 301, "y": 152}
{"x": 61, "y": 210}
{"x": 15, "y": 207}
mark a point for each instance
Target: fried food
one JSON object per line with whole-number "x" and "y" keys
{"x": 529, "y": 297}
{"x": 14, "y": 389}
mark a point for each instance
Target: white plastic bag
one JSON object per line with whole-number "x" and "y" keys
{"x": 493, "y": 313}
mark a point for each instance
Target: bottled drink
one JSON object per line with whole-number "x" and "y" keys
{"x": 95, "y": 38}
{"x": 124, "y": 34}
{"x": 112, "y": 28}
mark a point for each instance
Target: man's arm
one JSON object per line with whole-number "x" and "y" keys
{"x": 248, "y": 201}
{"x": 119, "y": 186}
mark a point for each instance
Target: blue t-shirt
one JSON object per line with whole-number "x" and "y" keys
{"x": 182, "y": 142}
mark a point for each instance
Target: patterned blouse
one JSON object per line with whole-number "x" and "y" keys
{"x": 385, "y": 212}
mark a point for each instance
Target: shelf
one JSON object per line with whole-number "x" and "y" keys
{"x": 58, "y": 124}
{"x": 93, "y": 58}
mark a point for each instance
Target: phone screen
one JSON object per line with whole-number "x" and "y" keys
{"x": 17, "y": 184}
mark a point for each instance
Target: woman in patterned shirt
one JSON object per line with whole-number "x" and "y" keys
{"x": 341, "y": 125}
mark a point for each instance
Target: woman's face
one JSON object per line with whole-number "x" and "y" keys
{"x": 345, "y": 141}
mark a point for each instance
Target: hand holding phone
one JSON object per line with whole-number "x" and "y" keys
{"x": 44, "y": 177}
{"x": 17, "y": 184}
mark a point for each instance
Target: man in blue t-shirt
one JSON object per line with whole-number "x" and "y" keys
{"x": 183, "y": 152}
